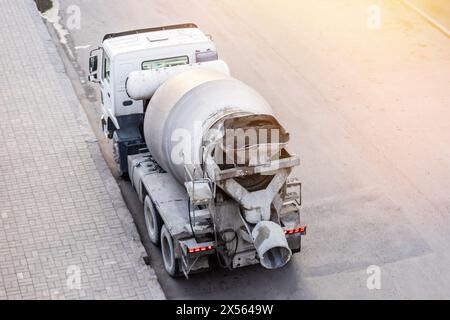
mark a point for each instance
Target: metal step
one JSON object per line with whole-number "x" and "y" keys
{"x": 293, "y": 191}
{"x": 200, "y": 215}
{"x": 199, "y": 191}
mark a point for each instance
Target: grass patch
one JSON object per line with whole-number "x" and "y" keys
{"x": 44, "y": 5}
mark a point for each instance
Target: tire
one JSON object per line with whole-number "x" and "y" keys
{"x": 171, "y": 264}
{"x": 152, "y": 221}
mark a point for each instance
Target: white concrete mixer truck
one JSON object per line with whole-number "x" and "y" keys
{"x": 203, "y": 151}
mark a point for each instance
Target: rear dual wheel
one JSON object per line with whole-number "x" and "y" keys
{"x": 171, "y": 264}
{"x": 153, "y": 221}
{"x": 160, "y": 236}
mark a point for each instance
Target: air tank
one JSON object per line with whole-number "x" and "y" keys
{"x": 141, "y": 85}
{"x": 185, "y": 107}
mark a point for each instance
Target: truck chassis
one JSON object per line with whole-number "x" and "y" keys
{"x": 189, "y": 238}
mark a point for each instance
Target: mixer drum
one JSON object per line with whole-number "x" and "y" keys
{"x": 186, "y": 106}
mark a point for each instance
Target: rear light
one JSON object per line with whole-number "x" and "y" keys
{"x": 301, "y": 230}
{"x": 200, "y": 249}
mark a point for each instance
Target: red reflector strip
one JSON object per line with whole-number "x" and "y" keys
{"x": 296, "y": 230}
{"x": 200, "y": 249}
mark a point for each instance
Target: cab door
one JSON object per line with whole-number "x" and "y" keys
{"x": 106, "y": 86}
{"x": 100, "y": 72}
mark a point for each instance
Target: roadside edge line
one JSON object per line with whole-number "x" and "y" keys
{"x": 429, "y": 18}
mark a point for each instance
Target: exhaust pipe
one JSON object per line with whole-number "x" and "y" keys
{"x": 271, "y": 245}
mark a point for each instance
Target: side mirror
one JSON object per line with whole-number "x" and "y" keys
{"x": 93, "y": 64}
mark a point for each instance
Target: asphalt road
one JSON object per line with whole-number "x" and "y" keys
{"x": 368, "y": 112}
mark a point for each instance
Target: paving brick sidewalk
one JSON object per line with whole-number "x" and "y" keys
{"x": 61, "y": 213}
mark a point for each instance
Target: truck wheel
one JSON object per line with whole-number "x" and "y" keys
{"x": 171, "y": 264}
{"x": 152, "y": 221}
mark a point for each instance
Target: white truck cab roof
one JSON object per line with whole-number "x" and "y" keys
{"x": 154, "y": 38}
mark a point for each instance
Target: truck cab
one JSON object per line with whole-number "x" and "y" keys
{"x": 143, "y": 49}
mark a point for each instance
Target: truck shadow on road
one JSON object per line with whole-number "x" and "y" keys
{"x": 254, "y": 282}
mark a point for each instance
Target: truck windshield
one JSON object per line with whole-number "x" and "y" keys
{"x": 164, "y": 63}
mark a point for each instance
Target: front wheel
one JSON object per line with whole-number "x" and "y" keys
{"x": 171, "y": 264}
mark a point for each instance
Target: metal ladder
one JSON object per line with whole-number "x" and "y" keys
{"x": 201, "y": 193}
